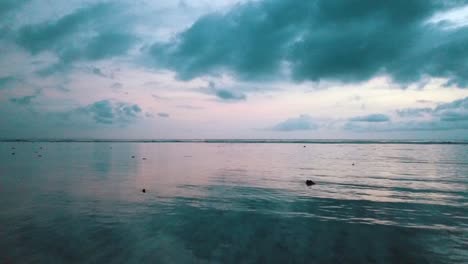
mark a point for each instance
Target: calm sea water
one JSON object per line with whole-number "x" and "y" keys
{"x": 233, "y": 203}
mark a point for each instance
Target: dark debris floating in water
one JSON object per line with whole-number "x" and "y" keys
{"x": 310, "y": 182}
{"x": 143, "y": 190}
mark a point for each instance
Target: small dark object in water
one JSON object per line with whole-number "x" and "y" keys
{"x": 39, "y": 156}
{"x": 143, "y": 158}
{"x": 40, "y": 148}
{"x": 133, "y": 157}
{"x": 13, "y": 153}
{"x": 353, "y": 164}
{"x": 310, "y": 183}
{"x": 304, "y": 146}
{"x": 143, "y": 190}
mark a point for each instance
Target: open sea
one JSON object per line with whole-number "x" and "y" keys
{"x": 233, "y": 202}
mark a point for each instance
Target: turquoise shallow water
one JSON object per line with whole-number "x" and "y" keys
{"x": 233, "y": 203}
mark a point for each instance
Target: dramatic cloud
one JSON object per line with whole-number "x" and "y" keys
{"x": 303, "y": 122}
{"x": 321, "y": 40}
{"x": 232, "y": 68}
{"x": 86, "y": 34}
{"x": 371, "y": 118}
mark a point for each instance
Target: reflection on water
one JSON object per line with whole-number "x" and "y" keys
{"x": 231, "y": 203}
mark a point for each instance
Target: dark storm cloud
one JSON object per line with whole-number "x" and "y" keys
{"x": 335, "y": 39}
{"x": 86, "y": 34}
{"x": 371, "y": 118}
{"x": 303, "y": 122}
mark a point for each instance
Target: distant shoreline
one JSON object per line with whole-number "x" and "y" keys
{"x": 234, "y": 141}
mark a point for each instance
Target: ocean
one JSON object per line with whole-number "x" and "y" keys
{"x": 233, "y": 202}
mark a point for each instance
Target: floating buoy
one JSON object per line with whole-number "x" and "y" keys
{"x": 310, "y": 183}
{"x": 133, "y": 157}
{"x": 143, "y": 190}
{"x": 353, "y": 164}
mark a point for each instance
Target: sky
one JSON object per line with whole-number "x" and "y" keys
{"x": 284, "y": 69}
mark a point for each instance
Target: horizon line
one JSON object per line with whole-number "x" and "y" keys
{"x": 292, "y": 141}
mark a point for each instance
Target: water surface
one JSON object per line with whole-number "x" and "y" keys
{"x": 233, "y": 203}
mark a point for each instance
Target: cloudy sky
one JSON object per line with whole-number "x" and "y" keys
{"x": 234, "y": 69}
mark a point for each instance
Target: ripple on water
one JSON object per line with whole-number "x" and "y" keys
{"x": 231, "y": 203}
